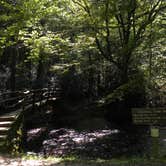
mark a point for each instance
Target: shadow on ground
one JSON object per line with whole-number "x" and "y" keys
{"x": 106, "y": 144}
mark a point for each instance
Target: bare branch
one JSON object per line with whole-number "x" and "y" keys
{"x": 107, "y": 27}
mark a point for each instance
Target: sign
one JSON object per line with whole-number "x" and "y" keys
{"x": 153, "y": 117}
{"x": 154, "y": 132}
{"x": 149, "y": 116}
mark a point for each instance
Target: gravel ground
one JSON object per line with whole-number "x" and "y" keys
{"x": 106, "y": 144}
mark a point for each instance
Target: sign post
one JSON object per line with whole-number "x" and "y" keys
{"x": 153, "y": 117}
{"x": 154, "y": 132}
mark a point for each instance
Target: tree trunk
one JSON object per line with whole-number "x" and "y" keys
{"x": 124, "y": 69}
{"x": 124, "y": 74}
{"x": 13, "y": 54}
{"x": 90, "y": 78}
{"x": 40, "y": 74}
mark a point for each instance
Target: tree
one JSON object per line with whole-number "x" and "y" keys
{"x": 18, "y": 17}
{"x": 119, "y": 28}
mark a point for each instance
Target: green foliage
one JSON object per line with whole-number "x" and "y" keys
{"x": 107, "y": 40}
{"x": 119, "y": 27}
{"x": 15, "y": 136}
{"x": 40, "y": 46}
{"x": 133, "y": 87}
{"x": 16, "y": 142}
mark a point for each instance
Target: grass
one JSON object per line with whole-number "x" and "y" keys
{"x": 77, "y": 161}
{"x": 123, "y": 161}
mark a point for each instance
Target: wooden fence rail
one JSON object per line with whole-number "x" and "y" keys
{"x": 11, "y": 101}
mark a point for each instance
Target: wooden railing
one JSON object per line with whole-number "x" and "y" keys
{"x": 12, "y": 101}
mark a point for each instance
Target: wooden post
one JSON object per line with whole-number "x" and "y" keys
{"x": 23, "y": 102}
{"x": 41, "y": 96}
{"x": 154, "y": 132}
{"x": 48, "y": 95}
{"x": 33, "y": 100}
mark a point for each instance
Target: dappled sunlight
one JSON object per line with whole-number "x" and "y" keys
{"x": 33, "y": 132}
{"x": 83, "y": 79}
{"x": 7, "y": 161}
{"x": 64, "y": 141}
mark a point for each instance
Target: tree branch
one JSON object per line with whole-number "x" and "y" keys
{"x": 106, "y": 56}
{"x": 107, "y": 28}
{"x": 150, "y": 18}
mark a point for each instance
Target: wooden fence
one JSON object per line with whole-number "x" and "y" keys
{"x": 12, "y": 101}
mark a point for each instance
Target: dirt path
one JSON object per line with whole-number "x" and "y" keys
{"x": 7, "y": 161}
{"x": 17, "y": 161}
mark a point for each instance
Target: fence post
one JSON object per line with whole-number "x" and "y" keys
{"x": 33, "y": 98}
{"x": 23, "y": 101}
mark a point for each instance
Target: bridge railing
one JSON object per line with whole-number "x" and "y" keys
{"x": 11, "y": 101}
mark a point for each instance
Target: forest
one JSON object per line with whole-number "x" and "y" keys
{"x": 73, "y": 70}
